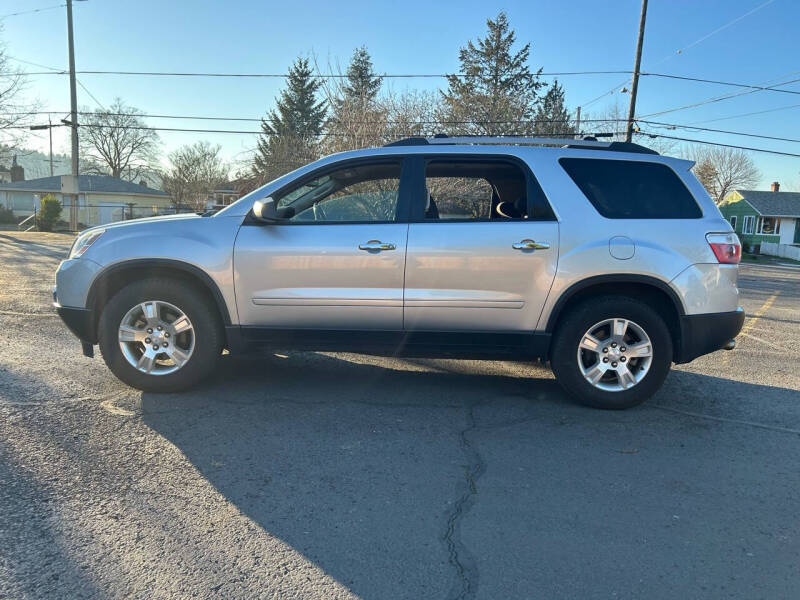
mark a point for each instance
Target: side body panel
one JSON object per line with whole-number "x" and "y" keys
{"x": 315, "y": 276}
{"x": 467, "y": 276}
{"x": 592, "y": 245}
{"x": 202, "y": 242}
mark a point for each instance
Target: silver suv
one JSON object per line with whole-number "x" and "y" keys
{"x": 605, "y": 259}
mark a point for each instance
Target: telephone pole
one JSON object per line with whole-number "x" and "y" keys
{"x": 73, "y": 98}
{"x": 49, "y": 127}
{"x": 636, "y": 64}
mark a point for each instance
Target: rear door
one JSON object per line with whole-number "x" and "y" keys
{"x": 338, "y": 262}
{"x": 482, "y": 246}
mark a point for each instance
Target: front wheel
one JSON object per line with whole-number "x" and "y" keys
{"x": 160, "y": 335}
{"x": 611, "y": 352}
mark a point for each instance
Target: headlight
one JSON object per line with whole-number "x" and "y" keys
{"x": 83, "y": 242}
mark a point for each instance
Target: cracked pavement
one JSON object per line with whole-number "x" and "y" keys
{"x": 311, "y": 475}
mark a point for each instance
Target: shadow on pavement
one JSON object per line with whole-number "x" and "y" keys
{"x": 445, "y": 483}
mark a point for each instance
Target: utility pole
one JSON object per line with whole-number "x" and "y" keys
{"x": 50, "y": 131}
{"x": 578, "y": 122}
{"x": 73, "y": 98}
{"x": 636, "y": 64}
{"x": 49, "y": 127}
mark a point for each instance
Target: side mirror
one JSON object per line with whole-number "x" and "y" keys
{"x": 266, "y": 211}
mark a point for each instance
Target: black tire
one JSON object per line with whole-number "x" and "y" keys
{"x": 193, "y": 302}
{"x": 574, "y": 325}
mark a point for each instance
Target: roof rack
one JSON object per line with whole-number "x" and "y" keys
{"x": 506, "y": 140}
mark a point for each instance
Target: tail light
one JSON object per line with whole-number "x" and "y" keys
{"x": 726, "y": 246}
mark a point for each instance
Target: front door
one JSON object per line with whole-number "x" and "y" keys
{"x": 337, "y": 262}
{"x": 482, "y": 248}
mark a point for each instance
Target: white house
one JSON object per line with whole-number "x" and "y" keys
{"x": 102, "y": 199}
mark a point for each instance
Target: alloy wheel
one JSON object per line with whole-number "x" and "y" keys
{"x": 615, "y": 354}
{"x": 156, "y": 337}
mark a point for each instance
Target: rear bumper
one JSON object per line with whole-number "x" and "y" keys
{"x": 702, "y": 334}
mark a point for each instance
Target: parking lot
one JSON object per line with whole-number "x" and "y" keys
{"x": 309, "y": 475}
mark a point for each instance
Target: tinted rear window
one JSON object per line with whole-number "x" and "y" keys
{"x": 624, "y": 189}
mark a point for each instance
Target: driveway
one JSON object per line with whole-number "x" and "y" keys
{"x": 311, "y": 475}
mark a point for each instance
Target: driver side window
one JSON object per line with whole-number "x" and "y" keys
{"x": 360, "y": 193}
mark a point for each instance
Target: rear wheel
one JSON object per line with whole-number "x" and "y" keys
{"x": 611, "y": 352}
{"x": 160, "y": 335}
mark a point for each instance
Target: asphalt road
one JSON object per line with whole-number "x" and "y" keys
{"x": 304, "y": 475}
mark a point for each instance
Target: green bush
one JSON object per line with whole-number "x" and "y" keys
{"x": 7, "y": 215}
{"x": 49, "y": 213}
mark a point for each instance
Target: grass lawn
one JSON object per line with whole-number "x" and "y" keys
{"x": 767, "y": 260}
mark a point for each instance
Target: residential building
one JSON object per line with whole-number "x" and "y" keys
{"x": 222, "y": 196}
{"x": 102, "y": 199}
{"x": 15, "y": 173}
{"x": 763, "y": 216}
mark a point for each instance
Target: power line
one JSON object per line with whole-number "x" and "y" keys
{"x": 706, "y": 142}
{"x": 681, "y": 50}
{"x": 58, "y": 71}
{"x": 749, "y": 114}
{"x": 259, "y": 132}
{"x": 717, "y": 99}
{"x": 727, "y": 132}
{"x": 718, "y": 29}
{"x": 408, "y": 123}
{"x": 35, "y": 10}
{"x": 259, "y": 119}
{"x": 284, "y": 75}
{"x": 91, "y": 95}
{"x": 729, "y": 83}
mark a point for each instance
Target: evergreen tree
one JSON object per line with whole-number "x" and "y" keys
{"x": 289, "y": 132}
{"x": 362, "y": 83}
{"x": 496, "y": 89}
{"x": 552, "y": 116}
{"x": 358, "y": 118}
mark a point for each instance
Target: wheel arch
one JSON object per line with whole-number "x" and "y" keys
{"x": 654, "y": 290}
{"x": 113, "y": 278}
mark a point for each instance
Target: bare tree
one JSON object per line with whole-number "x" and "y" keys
{"x": 13, "y": 112}
{"x": 721, "y": 170}
{"x": 195, "y": 172}
{"x": 614, "y": 118}
{"x": 117, "y": 142}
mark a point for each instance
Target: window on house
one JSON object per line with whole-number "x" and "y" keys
{"x": 733, "y": 222}
{"x": 768, "y": 226}
{"x": 749, "y": 222}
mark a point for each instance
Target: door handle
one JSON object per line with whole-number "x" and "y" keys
{"x": 376, "y": 246}
{"x": 530, "y": 245}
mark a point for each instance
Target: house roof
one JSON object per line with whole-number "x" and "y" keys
{"x": 773, "y": 204}
{"x": 98, "y": 184}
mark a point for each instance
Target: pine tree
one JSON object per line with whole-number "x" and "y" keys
{"x": 552, "y": 116}
{"x": 289, "y": 132}
{"x": 362, "y": 83}
{"x": 358, "y": 118}
{"x": 496, "y": 89}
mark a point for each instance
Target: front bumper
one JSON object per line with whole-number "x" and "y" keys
{"x": 79, "y": 321}
{"x": 705, "y": 333}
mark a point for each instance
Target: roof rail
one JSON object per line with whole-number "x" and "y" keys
{"x": 507, "y": 140}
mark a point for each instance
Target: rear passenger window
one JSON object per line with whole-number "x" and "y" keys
{"x": 458, "y": 198}
{"x": 475, "y": 190}
{"x": 625, "y": 189}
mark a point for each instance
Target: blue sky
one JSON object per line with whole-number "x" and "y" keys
{"x": 416, "y": 37}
